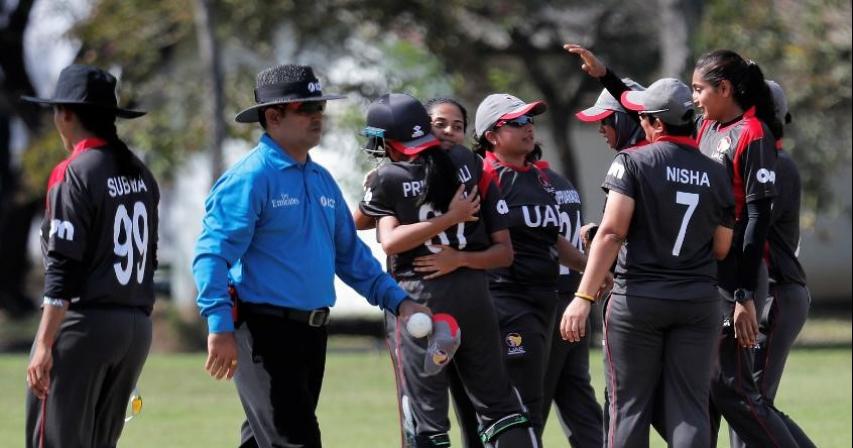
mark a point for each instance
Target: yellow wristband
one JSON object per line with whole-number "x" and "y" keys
{"x": 586, "y": 297}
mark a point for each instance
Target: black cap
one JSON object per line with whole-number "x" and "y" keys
{"x": 86, "y": 85}
{"x": 402, "y": 122}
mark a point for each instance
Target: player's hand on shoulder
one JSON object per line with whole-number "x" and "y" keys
{"x": 591, "y": 64}
{"x": 221, "y": 355}
{"x": 464, "y": 207}
{"x": 438, "y": 264}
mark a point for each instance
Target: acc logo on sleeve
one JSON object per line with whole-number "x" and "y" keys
{"x": 764, "y": 175}
{"x": 616, "y": 170}
{"x": 63, "y": 230}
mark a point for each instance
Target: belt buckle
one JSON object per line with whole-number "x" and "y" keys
{"x": 318, "y": 318}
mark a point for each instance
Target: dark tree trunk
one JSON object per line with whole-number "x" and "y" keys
{"x": 205, "y": 15}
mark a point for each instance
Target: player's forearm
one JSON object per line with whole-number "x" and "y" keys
{"x": 363, "y": 221}
{"x": 62, "y": 277}
{"x": 755, "y": 234}
{"x": 498, "y": 255}
{"x": 51, "y": 318}
{"x": 409, "y": 236}
{"x": 570, "y": 256}
{"x": 604, "y": 250}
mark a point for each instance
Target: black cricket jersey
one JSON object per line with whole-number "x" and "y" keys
{"x": 783, "y": 239}
{"x": 397, "y": 189}
{"x": 99, "y": 233}
{"x": 680, "y": 198}
{"x": 747, "y": 149}
{"x": 571, "y": 220}
{"x": 533, "y": 217}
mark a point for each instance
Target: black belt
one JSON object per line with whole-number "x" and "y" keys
{"x": 314, "y": 318}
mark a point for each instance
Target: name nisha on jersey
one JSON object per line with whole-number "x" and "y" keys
{"x": 121, "y": 185}
{"x": 686, "y": 176}
{"x": 545, "y": 215}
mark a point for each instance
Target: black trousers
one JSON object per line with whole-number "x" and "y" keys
{"x": 659, "y": 354}
{"x": 567, "y": 385}
{"x": 280, "y": 371}
{"x": 97, "y": 358}
{"x": 735, "y": 395}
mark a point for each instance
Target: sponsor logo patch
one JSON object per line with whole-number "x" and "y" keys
{"x": 514, "y": 344}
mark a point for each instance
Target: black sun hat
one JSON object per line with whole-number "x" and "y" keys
{"x": 288, "y": 83}
{"x": 86, "y": 85}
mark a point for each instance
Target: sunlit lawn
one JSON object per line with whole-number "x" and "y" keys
{"x": 185, "y": 408}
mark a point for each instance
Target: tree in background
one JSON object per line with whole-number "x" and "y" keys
{"x": 806, "y": 47}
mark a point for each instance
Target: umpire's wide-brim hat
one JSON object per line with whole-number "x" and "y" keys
{"x": 606, "y": 104}
{"x": 288, "y": 83}
{"x": 86, "y": 85}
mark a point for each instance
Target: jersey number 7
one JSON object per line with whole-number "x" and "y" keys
{"x": 691, "y": 200}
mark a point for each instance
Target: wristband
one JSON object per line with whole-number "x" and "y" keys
{"x": 586, "y": 297}
{"x": 50, "y": 301}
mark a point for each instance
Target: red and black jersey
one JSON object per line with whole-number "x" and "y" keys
{"x": 783, "y": 239}
{"x": 398, "y": 188}
{"x": 571, "y": 220}
{"x": 533, "y": 217}
{"x": 99, "y": 233}
{"x": 680, "y": 198}
{"x": 747, "y": 149}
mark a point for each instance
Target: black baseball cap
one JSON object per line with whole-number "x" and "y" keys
{"x": 402, "y": 122}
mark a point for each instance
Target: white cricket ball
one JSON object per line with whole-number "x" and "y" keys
{"x": 419, "y": 325}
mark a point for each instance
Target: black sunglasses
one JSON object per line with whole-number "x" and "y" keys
{"x": 519, "y": 122}
{"x": 308, "y": 107}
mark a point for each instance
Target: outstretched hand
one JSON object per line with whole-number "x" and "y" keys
{"x": 591, "y": 64}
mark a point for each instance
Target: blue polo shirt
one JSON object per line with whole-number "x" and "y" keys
{"x": 279, "y": 231}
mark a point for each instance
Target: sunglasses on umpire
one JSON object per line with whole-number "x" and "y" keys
{"x": 519, "y": 122}
{"x": 307, "y": 107}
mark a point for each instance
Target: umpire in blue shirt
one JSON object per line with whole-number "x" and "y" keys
{"x": 276, "y": 230}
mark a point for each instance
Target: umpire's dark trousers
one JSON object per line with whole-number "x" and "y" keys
{"x": 97, "y": 358}
{"x": 280, "y": 370}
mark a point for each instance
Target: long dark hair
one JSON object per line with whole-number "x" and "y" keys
{"x": 747, "y": 81}
{"x": 440, "y": 178}
{"x": 482, "y": 145}
{"x": 102, "y": 123}
{"x": 443, "y": 100}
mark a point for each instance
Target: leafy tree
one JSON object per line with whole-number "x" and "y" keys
{"x": 806, "y": 47}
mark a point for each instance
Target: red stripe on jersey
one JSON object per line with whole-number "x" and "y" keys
{"x": 488, "y": 176}
{"x": 679, "y": 140}
{"x": 542, "y": 164}
{"x": 57, "y": 175}
{"x": 702, "y": 128}
{"x": 753, "y": 130}
{"x": 490, "y": 157}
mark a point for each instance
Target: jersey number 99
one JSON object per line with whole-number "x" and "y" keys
{"x": 129, "y": 233}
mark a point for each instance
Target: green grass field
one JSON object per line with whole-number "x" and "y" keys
{"x": 186, "y": 408}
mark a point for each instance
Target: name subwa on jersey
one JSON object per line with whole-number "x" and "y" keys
{"x": 121, "y": 185}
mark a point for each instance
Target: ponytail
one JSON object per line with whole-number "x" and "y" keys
{"x": 747, "y": 81}
{"x": 102, "y": 123}
{"x": 440, "y": 178}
